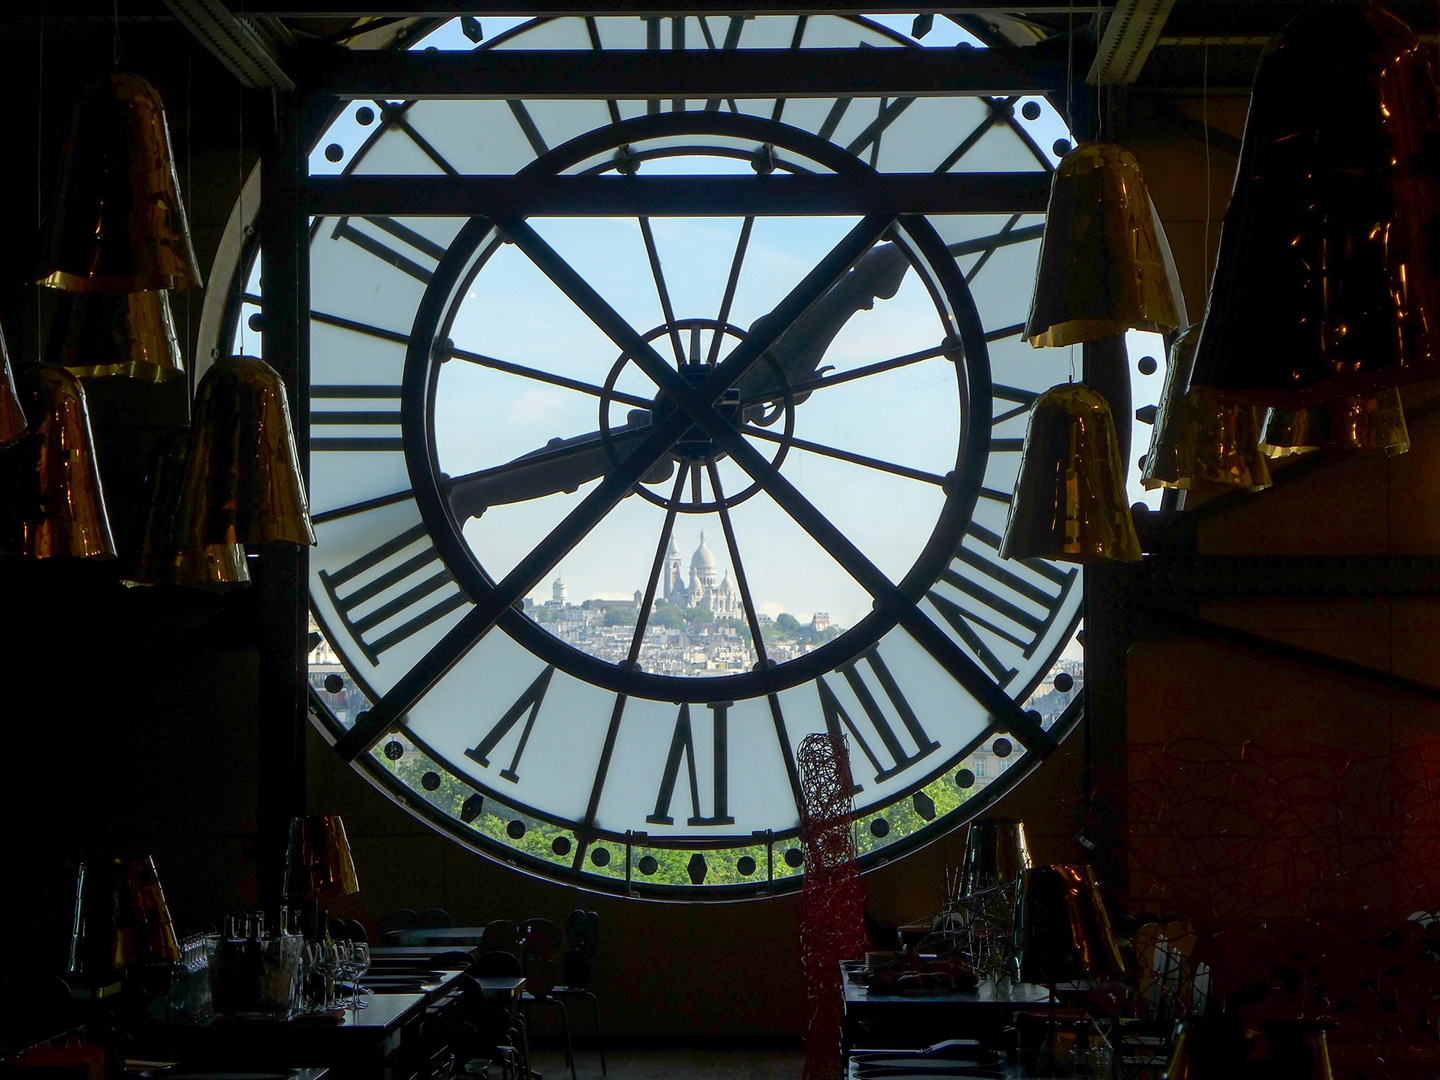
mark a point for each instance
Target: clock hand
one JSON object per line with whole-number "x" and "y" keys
{"x": 562, "y": 465}
{"x": 798, "y": 353}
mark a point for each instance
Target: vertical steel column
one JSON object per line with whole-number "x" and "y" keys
{"x": 284, "y": 622}
{"x": 1108, "y": 637}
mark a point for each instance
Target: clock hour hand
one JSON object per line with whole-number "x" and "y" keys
{"x": 562, "y": 465}
{"x": 877, "y": 274}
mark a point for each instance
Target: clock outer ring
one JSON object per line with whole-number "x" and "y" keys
{"x": 962, "y": 493}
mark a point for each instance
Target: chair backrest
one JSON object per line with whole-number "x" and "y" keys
{"x": 582, "y": 941}
{"x": 497, "y": 962}
{"x": 501, "y": 934}
{"x": 434, "y": 918}
{"x": 392, "y": 922}
{"x": 541, "y": 942}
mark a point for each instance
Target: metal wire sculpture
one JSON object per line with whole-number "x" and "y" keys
{"x": 832, "y": 905}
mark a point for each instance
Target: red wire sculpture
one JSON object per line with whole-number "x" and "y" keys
{"x": 832, "y": 905}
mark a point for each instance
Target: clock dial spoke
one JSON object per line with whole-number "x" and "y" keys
{"x": 891, "y": 467}
{"x": 585, "y": 830}
{"x": 550, "y": 378}
{"x": 592, "y": 30}
{"x": 886, "y": 113}
{"x": 742, "y": 245}
{"x": 741, "y": 582}
{"x": 801, "y": 22}
{"x": 651, "y": 253}
{"x": 395, "y": 118}
{"x": 657, "y": 566}
{"x": 839, "y": 378}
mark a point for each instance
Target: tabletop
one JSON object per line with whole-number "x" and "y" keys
{"x": 1001, "y": 993}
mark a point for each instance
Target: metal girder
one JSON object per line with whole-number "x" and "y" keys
{"x": 243, "y": 46}
{"x": 736, "y": 73}
{"x": 1219, "y": 577}
{"x": 692, "y": 196}
{"x": 442, "y": 8}
{"x": 1130, "y": 34}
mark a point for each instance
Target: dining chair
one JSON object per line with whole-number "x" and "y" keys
{"x": 582, "y": 942}
{"x": 435, "y": 918}
{"x": 541, "y": 945}
{"x": 502, "y": 1027}
{"x": 502, "y": 935}
{"x": 392, "y": 922}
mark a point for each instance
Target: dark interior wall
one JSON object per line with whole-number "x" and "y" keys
{"x": 134, "y": 713}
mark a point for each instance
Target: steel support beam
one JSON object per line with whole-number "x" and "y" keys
{"x": 695, "y": 196}
{"x": 665, "y": 74}
{"x": 442, "y": 8}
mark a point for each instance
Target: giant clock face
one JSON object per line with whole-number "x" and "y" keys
{"x": 613, "y": 510}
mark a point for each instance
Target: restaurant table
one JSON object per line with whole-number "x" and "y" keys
{"x": 463, "y": 936}
{"x": 889, "y": 1020}
{"x": 364, "y": 1044}
{"x": 416, "y": 952}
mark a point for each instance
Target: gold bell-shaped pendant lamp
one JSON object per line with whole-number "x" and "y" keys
{"x": 123, "y": 334}
{"x": 996, "y": 853}
{"x": 119, "y": 225}
{"x": 1327, "y": 282}
{"x": 243, "y": 483}
{"x": 12, "y": 415}
{"x": 163, "y": 559}
{"x": 1202, "y": 436}
{"x": 1070, "y": 502}
{"x": 318, "y": 862}
{"x": 61, "y": 507}
{"x": 1367, "y": 424}
{"x": 1102, "y": 270}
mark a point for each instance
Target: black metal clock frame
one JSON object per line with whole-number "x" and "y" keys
{"x": 290, "y": 197}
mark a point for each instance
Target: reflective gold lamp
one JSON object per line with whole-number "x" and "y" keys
{"x": 147, "y": 924}
{"x": 119, "y": 226}
{"x": 12, "y": 416}
{"x": 124, "y": 334}
{"x": 163, "y": 559}
{"x": 1070, "y": 502}
{"x": 995, "y": 854}
{"x": 1327, "y": 282}
{"x": 243, "y": 483}
{"x": 1101, "y": 268}
{"x": 1063, "y": 930}
{"x": 59, "y": 507}
{"x": 318, "y": 863}
{"x": 1372, "y": 424}
{"x": 1201, "y": 436}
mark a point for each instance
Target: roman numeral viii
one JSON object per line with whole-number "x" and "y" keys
{"x": 527, "y": 705}
{"x": 392, "y": 242}
{"x": 392, "y": 592}
{"x": 891, "y": 757}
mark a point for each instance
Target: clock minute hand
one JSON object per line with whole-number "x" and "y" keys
{"x": 562, "y": 465}
{"x": 877, "y": 274}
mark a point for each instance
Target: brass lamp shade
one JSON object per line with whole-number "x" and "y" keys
{"x": 1070, "y": 501}
{"x": 124, "y": 334}
{"x": 59, "y": 506}
{"x": 1326, "y": 283}
{"x": 1101, "y": 269}
{"x": 12, "y": 416}
{"x": 119, "y": 225}
{"x": 243, "y": 483}
{"x": 995, "y": 854}
{"x": 1063, "y": 929}
{"x": 318, "y": 863}
{"x": 1299, "y": 1049}
{"x": 163, "y": 561}
{"x": 149, "y": 915}
{"x": 1373, "y": 424}
{"x": 1201, "y": 435}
